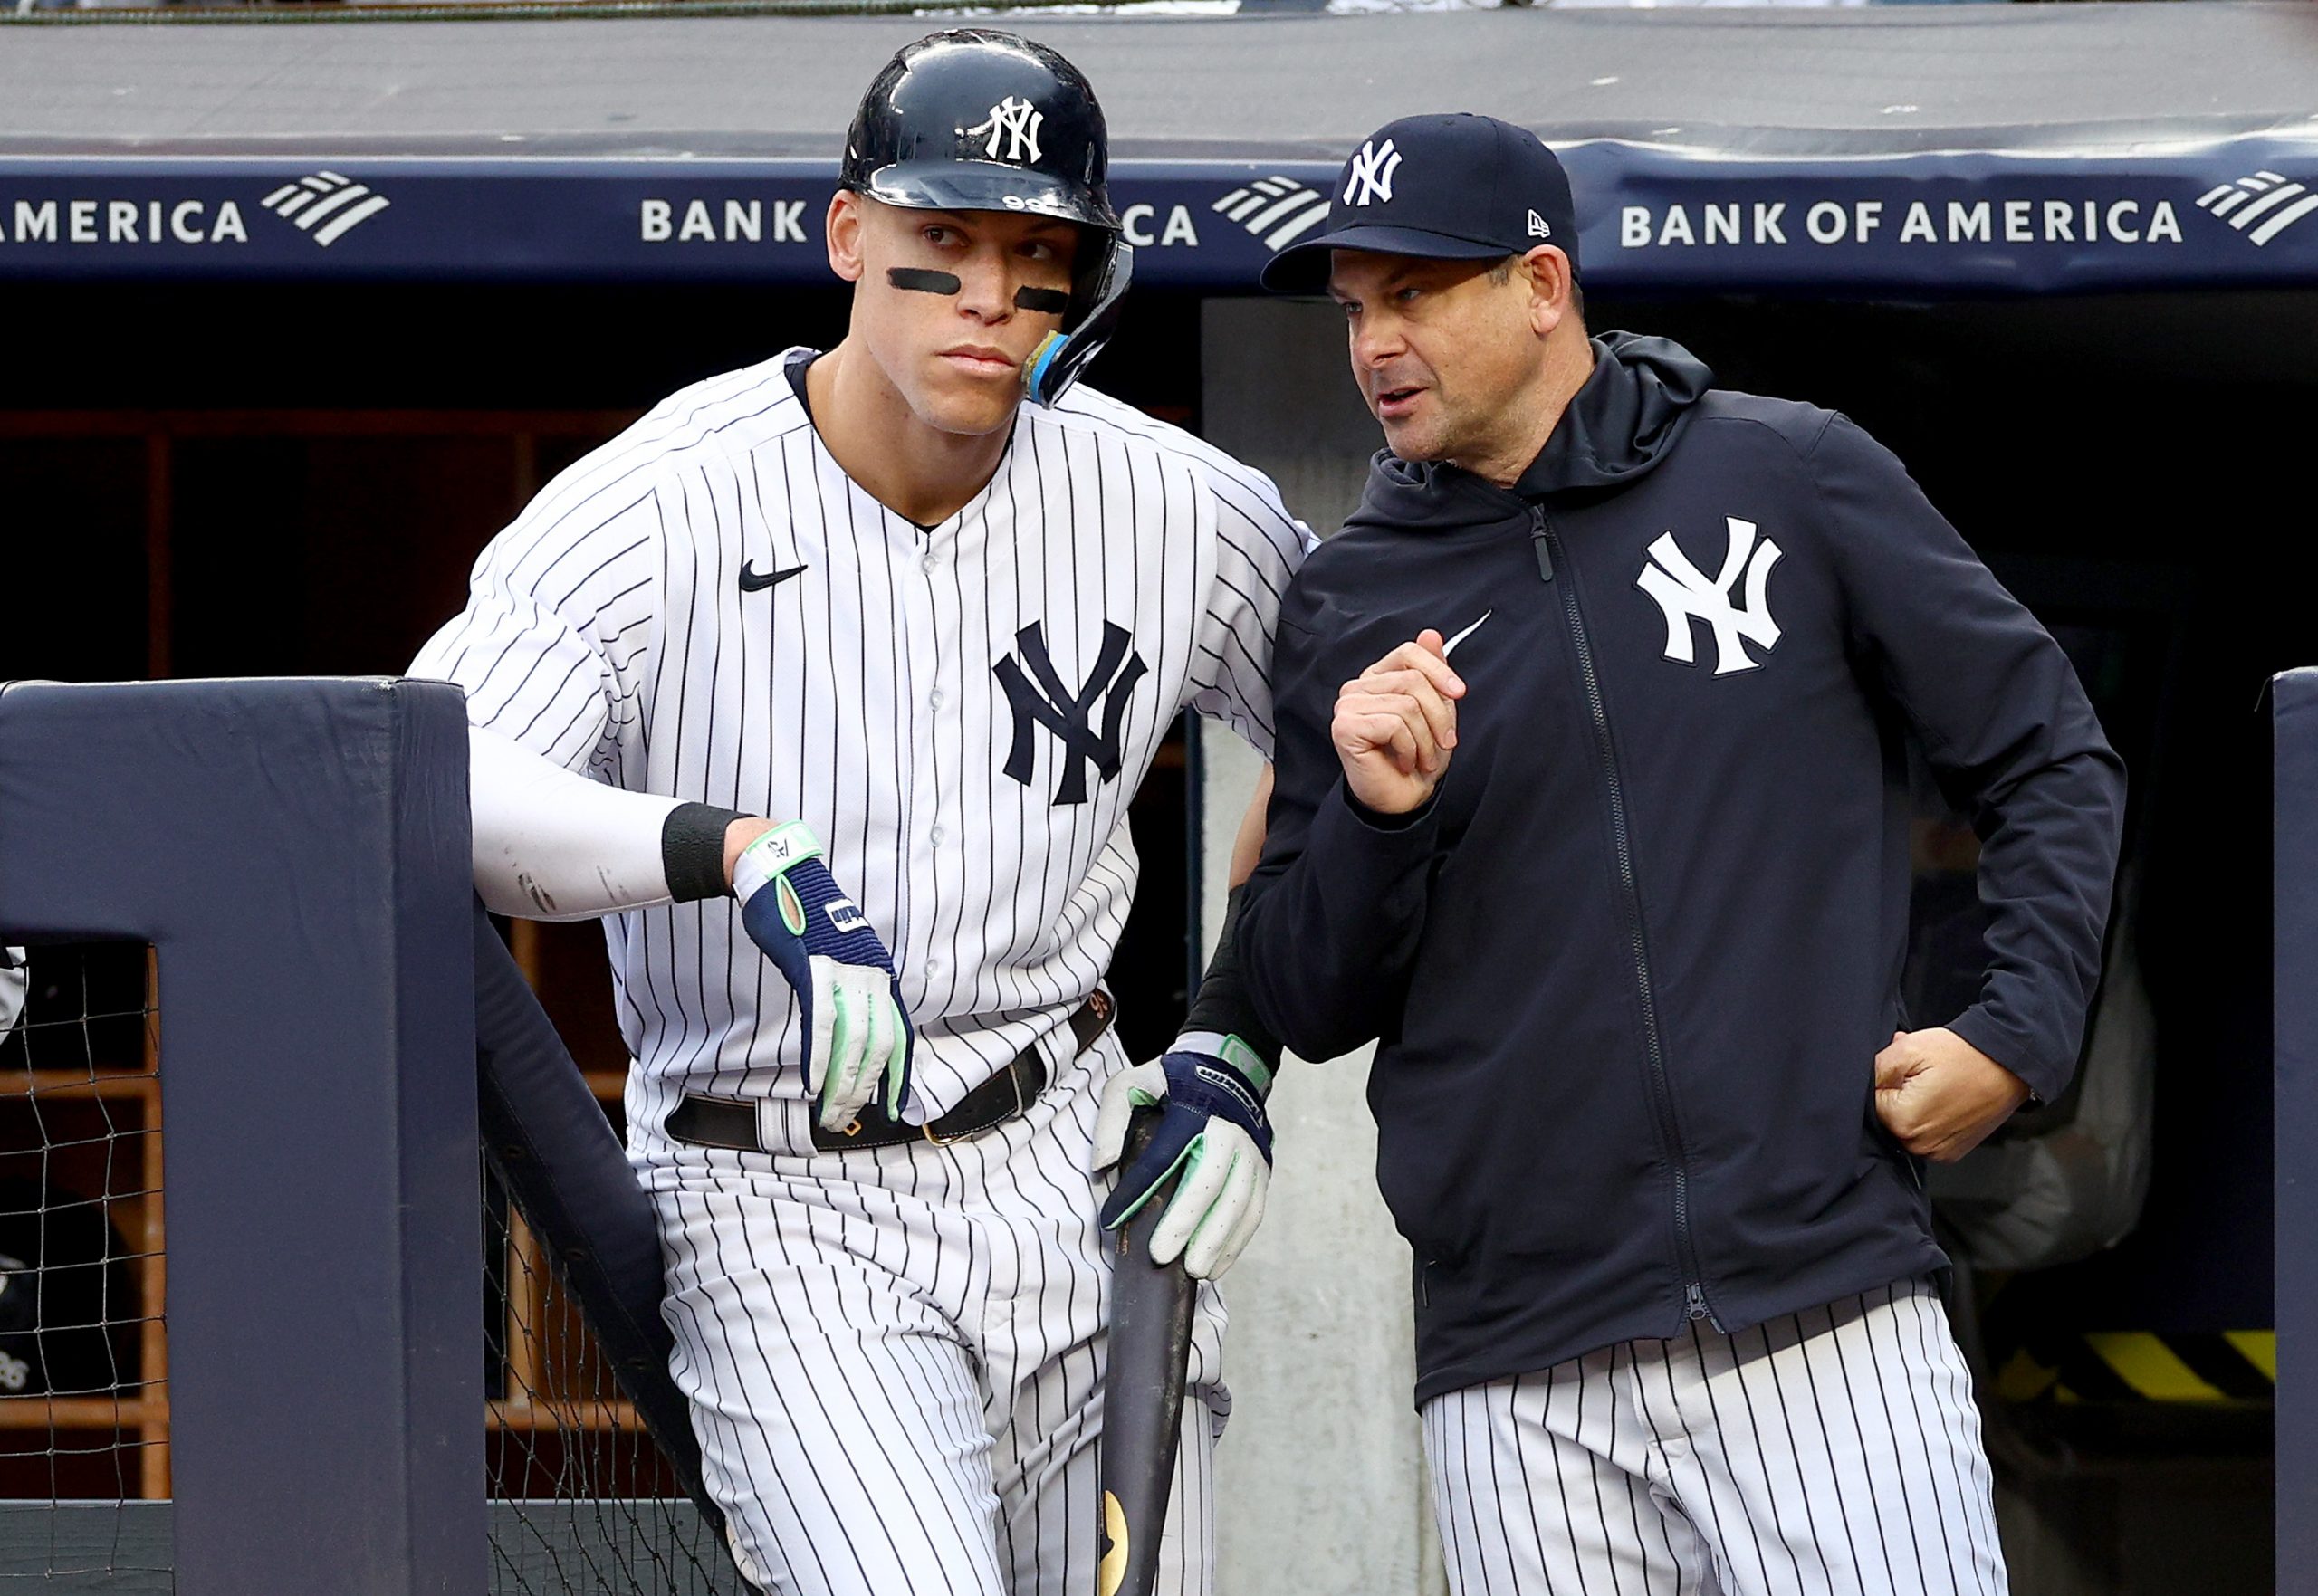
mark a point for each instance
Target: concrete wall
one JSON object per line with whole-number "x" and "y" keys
{"x": 1320, "y": 1482}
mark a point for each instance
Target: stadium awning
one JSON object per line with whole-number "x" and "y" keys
{"x": 1950, "y": 150}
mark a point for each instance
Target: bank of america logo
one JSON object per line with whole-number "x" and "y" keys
{"x": 326, "y": 206}
{"x": 1278, "y": 210}
{"x": 2266, "y": 197}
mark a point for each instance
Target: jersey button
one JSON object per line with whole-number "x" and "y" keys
{"x": 934, "y": 836}
{"x": 930, "y": 564}
{"x": 934, "y": 699}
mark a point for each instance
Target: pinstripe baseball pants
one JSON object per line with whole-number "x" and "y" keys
{"x": 1828, "y": 1452}
{"x": 894, "y": 1356}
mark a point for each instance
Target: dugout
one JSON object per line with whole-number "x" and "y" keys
{"x": 2064, "y": 260}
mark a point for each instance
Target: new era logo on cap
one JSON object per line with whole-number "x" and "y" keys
{"x": 1450, "y": 187}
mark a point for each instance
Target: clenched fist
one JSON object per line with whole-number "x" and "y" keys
{"x": 1940, "y": 1095}
{"x": 1397, "y": 724}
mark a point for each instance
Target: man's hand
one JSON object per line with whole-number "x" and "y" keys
{"x": 1210, "y": 1091}
{"x": 1940, "y": 1095}
{"x": 1395, "y": 724}
{"x": 858, "y": 1034}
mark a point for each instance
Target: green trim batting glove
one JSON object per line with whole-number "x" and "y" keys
{"x": 1212, "y": 1131}
{"x": 858, "y": 1034}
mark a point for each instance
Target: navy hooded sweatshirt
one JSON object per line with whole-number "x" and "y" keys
{"x": 1632, "y": 963}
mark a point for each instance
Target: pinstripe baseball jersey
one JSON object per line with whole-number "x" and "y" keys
{"x": 707, "y": 608}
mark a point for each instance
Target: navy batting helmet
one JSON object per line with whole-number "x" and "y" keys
{"x": 974, "y": 119}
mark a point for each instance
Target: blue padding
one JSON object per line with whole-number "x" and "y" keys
{"x": 2233, "y": 210}
{"x": 559, "y": 1160}
{"x": 298, "y": 854}
{"x": 2294, "y": 706}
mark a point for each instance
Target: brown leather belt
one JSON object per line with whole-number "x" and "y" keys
{"x": 705, "y": 1121}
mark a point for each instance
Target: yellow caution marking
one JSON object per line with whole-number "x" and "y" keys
{"x": 2023, "y": 1379}
{"x": 2257, "y": 1347}
{"x": 2146, "y": 1363}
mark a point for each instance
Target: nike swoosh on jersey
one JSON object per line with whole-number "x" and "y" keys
{"x": 751, "y": 578}
{"x": 1451, "y": 646}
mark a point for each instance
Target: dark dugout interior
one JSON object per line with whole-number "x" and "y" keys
{"x": 335, "y": 455}
{"x": 2126, "y": 463}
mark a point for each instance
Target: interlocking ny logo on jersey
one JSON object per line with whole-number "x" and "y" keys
{"x": 1013, "y": 126}
{"x": 1041, "y": 698}
{"x": 1683, "y": 592}
{"x": 1371, "y": 178}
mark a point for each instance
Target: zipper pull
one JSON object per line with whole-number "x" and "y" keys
{"x": 1537, "y": 538}
{"x": 1694, "y": 1303}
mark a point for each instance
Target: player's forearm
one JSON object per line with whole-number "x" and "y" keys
{"x": 549, "y": 845}
{"x": 1222, "y": 1005}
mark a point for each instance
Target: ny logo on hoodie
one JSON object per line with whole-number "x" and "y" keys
{"x": 1685, "y": 594}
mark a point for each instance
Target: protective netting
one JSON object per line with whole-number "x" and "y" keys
{"x": 84, "y": 1418}
{"x": 583, "y": 1500}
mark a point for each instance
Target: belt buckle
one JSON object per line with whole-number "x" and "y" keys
{"x": 1022, "y": 1106}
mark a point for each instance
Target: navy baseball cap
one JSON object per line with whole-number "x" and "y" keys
{"x": 1454, "y": 188}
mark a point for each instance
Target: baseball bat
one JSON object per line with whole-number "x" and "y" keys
{"x": 1143, "y": 1390}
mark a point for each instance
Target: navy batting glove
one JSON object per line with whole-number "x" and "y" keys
{"x": 858, "y": 1034}
{"x": 1212, "y": 1131}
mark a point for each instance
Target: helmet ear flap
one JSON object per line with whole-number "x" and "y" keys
{"x": 1099, "y": 294}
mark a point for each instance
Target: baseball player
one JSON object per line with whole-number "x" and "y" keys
{"x": 828, "y": 684}
{"x": 1592, "y": 802}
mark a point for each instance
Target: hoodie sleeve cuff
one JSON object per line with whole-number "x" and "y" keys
{"x": 1377, "y": 820}
{"x": 1357, "y": 841}
{"x": 2013, "y": 1052}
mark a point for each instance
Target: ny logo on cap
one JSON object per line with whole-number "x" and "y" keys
{"x": 1372, "y": 173}
{"x": 1013, "y": 122}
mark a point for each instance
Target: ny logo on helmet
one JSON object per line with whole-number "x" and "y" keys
{"x": 1683, "y": 592}
{"x": 1039, "y": 697}
{"x": 1013, "y": 126}
{"x": 1371, "y": 178}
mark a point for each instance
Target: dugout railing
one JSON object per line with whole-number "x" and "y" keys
{"x": 320, "y": 983}
{"x": 295, "y": 854}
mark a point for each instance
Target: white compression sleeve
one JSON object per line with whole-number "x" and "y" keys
{"x": 549, "y": 845}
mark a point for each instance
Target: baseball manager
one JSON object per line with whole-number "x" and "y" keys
{"x": 1593, "y": 727}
